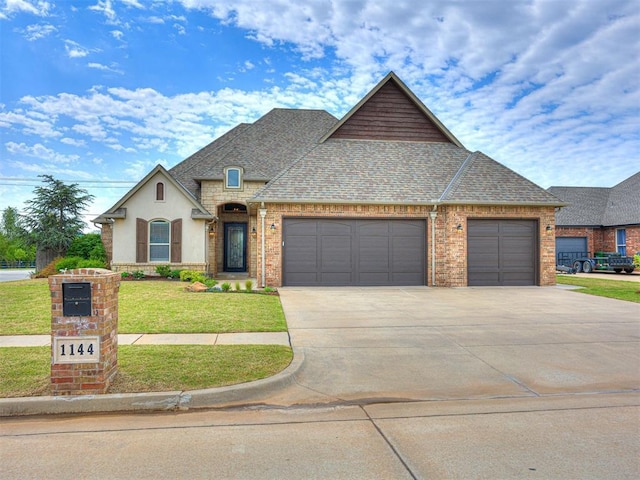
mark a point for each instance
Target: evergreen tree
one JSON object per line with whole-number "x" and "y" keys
{"x": 54, "y": 217}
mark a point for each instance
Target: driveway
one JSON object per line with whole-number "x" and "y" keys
{"x": 364, "y": 345}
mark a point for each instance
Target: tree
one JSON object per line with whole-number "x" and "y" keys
{"x": 14, "y": 248}
{"x": 10, "y": 226}
{"x": 54, "y": 218}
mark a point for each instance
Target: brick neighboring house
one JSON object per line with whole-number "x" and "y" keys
{"x": 598, "y": 219}
{"x": 385, "y": 196}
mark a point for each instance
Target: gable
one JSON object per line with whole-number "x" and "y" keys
{"x": 142, "y": 197}
{"x": 392, "y": 112}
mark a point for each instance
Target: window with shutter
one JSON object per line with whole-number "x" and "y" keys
{"x": 176, "y": 241}
{"x": 141, "y": 240}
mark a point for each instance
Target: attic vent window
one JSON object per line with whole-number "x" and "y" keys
{"x": 235, "y": 207}
{"x": 159, "y": 192}
{"x": 233, "y": 178}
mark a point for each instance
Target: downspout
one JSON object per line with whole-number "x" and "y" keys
{"x": 433, "y": 214}
{"x": 263, "y": 214}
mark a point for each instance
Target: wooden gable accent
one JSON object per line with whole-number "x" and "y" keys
{"x": 391, "y": 112}
{"x": 390, "y": 115}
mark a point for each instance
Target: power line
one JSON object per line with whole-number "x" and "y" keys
{"x": 16, "y": 179}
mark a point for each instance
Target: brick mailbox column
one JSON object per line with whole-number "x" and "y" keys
{"x": 84, "y": 331}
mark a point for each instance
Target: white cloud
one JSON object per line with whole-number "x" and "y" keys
{"x": 39, "y": 151}
{"x": 39, "y": 8}
{"x": 75, "y": 50}
{"x": 112, "y": 69}
{"x": 117, "y": 34}
{"x": 106, "y": 8}
{"x": 38, "y": 31}
{"x": 73, "y": 142}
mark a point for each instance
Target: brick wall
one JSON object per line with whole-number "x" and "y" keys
{"x": 106, "y": 235}
{"x": 86, "y": 378}
{"x": 603, "y": 239}
{"x": 451, "y": 244}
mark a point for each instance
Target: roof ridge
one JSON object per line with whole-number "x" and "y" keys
{"x": 455, "y": 181}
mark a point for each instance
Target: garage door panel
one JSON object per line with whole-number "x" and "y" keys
{"x": 355, "y": 252}
{"x": 570, "y": 248}
{"x": 501, "y": 252}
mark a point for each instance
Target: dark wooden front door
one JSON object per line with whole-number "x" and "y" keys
{"x": 235, "y": 247}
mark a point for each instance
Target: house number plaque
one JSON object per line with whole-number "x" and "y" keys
{"x": 76, "y": 350}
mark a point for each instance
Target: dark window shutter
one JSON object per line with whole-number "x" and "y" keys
{"x": 142, "y": 237}
{"x": 176, "y": 241}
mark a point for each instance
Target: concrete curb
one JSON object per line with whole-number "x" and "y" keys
{"x": 153, "y": 401}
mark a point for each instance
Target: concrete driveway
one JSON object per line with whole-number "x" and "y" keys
{"x": 365, "y": 345}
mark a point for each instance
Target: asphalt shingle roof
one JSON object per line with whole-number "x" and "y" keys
{"x": 396, "y": 172}
{"x": 598, "y": 206}
{"x": 263, "y": 149}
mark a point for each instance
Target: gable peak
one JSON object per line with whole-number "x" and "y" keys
{"x": 391, "y": 112}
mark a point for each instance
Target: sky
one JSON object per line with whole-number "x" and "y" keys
{"x": 98, "y": 92}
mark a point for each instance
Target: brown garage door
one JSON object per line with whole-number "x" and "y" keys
{"x": 353, "y": 252}
{"x": 502, "y": 252}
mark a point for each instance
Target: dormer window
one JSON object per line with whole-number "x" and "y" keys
{"x": 159, "y": 192}
{"x": 233, "y": 177}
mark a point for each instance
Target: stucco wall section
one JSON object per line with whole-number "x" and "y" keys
{"x": 144, "y": 205}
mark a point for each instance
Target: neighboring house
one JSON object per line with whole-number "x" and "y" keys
{"x": 598, "y": 220}
{"x": 385, "y": 196}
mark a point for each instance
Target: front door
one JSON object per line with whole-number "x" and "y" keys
{"x": 235, "y": 247}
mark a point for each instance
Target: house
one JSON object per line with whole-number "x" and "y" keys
{"x": 387, "y": 195}
{"x": 598, "y": 220}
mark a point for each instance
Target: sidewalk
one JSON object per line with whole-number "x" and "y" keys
{"x": 250, "y": 338}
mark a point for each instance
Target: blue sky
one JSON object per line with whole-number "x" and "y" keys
{"x": 98, "y": 92}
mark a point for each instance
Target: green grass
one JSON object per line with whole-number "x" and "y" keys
{"x": 619, "y": 289}
{"x": 149, "y": 307}
{"x": 146, "y": 368}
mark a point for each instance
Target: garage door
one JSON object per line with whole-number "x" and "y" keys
{"x": 570, "y": 248}
{"x": 353, "y": 252}
{"x": 502, "y": 252}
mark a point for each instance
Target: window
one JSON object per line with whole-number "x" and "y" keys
{"x": 621, "y": 241}
{"x": 159, "y": 192}
{"x": 233, "y": 177}
{"x": 159, "y": 245}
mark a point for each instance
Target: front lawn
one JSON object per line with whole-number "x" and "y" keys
{"x": 619, "y": 289}
{"x": 149, "y": 307}
{"x": 24, "y": 371}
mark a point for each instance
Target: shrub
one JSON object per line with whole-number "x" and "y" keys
{"x": 636, "y": 259}
{"x": 192, "y": 276}
{"x": 210, "y": 282}
{"x": 248, "y": 285}
{"x": 49, "y": 269}
{"x": 226, "y": 286}
{"x": 138, "y": 274}
{"x": 68, "y": 263}
{"x": 175, "y": 274}
{"x": 91, "y": 263}
{"x": 237, "y": 286}
{"x": 125, "y": 275}
{"x": 88, "y": 246}
{"x": 269, "y": 289}
{"x": 163, "y": 270}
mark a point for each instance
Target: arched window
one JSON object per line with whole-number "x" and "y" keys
{"x": 233, "y": 177}
{"x": 159, "y": 192}
{"x": 159, "y": 241}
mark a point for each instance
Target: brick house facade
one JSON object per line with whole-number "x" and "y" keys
{"x": 384, "y": 196}
{"x": 600, "y": 219}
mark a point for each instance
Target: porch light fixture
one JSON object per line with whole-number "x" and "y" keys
{"x": 253, "y": 230}
{"x": 549, "y": 228}
{"x": 459, "y": 227}
{"x": 273, "y": 226}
